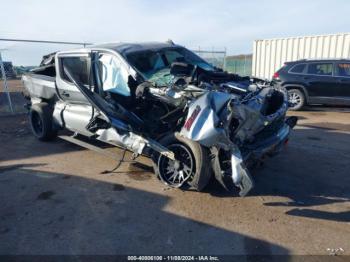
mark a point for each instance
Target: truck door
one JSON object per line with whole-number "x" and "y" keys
{"x": 86, "y": 97}
{"x": 77, "y": 111}
{"x": 119, "y": 126}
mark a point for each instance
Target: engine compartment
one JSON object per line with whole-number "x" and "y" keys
{"x": 252, "y": 103}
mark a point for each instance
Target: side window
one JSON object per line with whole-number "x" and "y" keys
{"x": 298, "y": 69}
{"x": 79, "y": 68}
{"x": 324, "y": 69}
{"x": 114, "y": 76}
{"x": 343, "y": 69}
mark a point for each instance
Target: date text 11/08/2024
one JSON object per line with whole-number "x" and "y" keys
{"x": 173, "y": 258}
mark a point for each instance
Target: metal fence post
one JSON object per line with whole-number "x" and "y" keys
{"x": 224, "y": 64}
{"x": 245, "y": 64}
{"x": 5, "y": 83}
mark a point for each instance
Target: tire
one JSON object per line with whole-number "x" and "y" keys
{"x": 296, "y": 99}
{"x": 200, "y": 168}
{"x": 40, "y": 118}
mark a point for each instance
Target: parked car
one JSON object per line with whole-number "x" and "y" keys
{"x": 315, "y": 82}
{"x": 161, "y": 100}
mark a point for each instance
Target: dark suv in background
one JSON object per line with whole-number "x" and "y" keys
{"x": 315, "y": 82}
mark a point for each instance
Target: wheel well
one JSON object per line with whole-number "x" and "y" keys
{"x": 300, "y": 88}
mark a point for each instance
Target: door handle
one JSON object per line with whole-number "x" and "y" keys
{"x": 64, "y": 93}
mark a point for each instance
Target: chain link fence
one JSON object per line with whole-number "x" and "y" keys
{"x": 214, "y": 57}
{"x": 239, "y": 64}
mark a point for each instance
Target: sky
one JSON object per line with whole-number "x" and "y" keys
{"x": 230, "y": 24}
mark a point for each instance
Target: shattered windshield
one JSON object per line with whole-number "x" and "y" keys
{"x": 154, "y": 65}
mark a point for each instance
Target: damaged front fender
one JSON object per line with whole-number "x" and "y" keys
{"x": 203, "y": 123}
{"x": 238, "y": 175}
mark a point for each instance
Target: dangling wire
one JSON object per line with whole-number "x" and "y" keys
{"x": 117, "y": 166}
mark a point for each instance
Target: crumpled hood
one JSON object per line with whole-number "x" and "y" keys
{"x": 210, "y": 116}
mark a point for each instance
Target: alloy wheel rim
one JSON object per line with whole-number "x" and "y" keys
{"x": 294, "y": 99}
{"x": 176, "y": 173}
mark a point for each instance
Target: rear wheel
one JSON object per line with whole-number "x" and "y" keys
{"x": 296, "y": 99}
{"x": 41, "y": 122}
{"x": 191, "y": 165}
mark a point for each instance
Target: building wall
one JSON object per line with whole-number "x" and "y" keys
{"x": 269, "y": 55}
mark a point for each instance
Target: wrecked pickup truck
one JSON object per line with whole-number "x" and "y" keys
{"x": 163, "y": 101}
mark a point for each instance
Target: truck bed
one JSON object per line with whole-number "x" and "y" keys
{"x": 40, "y": 86}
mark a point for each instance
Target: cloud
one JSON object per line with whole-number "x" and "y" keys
{"x": 218, "y": 24}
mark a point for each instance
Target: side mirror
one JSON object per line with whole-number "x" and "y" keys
{"x": 181, "y": 69}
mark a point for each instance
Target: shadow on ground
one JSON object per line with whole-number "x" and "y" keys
{"x": 328, "y": 126}
{"x": 17, "y": 100}
{"x": 17, "y": 141}
{"x": 321, "y": 108}
{"x": 52, "y": 213}
{"x": 312, "y": 172}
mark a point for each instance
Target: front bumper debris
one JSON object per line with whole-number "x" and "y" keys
{"x": 239, "y": 174}
{"x": 271, "y": 145}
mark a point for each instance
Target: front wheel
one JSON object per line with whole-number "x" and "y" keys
{"x": 191, "y": 165}
{"x": 296, "y": 99}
